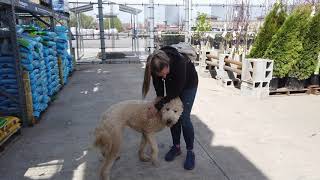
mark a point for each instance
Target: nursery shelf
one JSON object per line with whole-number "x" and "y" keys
{"x": 24, "y": 5}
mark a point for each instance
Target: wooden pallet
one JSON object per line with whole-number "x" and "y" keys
{"x": 15, "y": 132}
{"x": 29, "y": 102}
{"x": 11, "y": 127}
{"x": 286, "y": 91}
{"x": 314, "y": 90}
{"x": 60, "y": 65}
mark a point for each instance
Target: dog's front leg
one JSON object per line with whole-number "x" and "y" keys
{"x": 154, "y": 149}
{"x": 143, "y": 144}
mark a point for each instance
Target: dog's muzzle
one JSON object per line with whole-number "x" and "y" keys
{"x": 169, "y": 122}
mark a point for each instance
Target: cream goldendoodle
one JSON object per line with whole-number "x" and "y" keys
{"x": 134, "y": 114}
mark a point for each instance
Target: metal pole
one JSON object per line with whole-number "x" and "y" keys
{"x": 151, "y": 25}
{"x": 101, "y": 27}
{"x": 18, "y": 67}
{"x": 81, "y": 47}
{"x": 52, "y": 24}
{"x": 77, "y": 36}
{"x": 136, "y": 16}
{"x": 132, "y": 31}
{"x": 70, "y": 44}
{"x": 135, "y": 34}
{"x": 109, "y": 27}
{"x": 112, "y": 27}
{"x": 186, "y": 21}
{"x": 191, "y": 17}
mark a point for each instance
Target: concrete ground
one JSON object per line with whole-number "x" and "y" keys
{"x": 237, "y": 138}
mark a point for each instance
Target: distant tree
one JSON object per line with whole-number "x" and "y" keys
{"x": 116, "y": 21}
{"x": 87, "y": 22}
{"x": 203, "y": 24}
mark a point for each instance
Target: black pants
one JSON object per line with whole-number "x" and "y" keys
{"x": 187, "y": 97}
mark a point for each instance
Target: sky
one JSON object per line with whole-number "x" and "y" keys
{"x": 160, "y": 11}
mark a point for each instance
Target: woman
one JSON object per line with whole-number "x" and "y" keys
{"x": 174, "y": 75}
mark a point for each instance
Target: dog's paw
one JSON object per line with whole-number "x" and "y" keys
{"x": 145, "y": 159}
{"x": 156, "y": 163}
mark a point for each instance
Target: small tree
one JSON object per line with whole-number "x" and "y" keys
{"x": 286, "y": 44}
{"x": 308, "y": 61}
{"x": 116, "y": 21}
{"x": 87, "y": 22}
{"x": 203, "y": 25}
{"x": 271, "y": 25}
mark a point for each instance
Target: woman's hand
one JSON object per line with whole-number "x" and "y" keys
{"x": 152, "y": 111}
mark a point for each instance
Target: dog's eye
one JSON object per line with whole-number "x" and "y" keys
{"x": 167, "y": 109}
{"x": 175, "y": 111}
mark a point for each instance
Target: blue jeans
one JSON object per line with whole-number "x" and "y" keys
{"x": 187, "y": 97}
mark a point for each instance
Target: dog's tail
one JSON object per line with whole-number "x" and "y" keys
{"x": 102, "y": 140}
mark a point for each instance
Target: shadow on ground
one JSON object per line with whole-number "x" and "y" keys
{"x": 232, "y": 163}
{"x": 60, "y": 146}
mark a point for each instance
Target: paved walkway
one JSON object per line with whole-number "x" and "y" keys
{"x": 237, "y": 138}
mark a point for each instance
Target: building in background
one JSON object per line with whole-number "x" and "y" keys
{"x": 172, "y": 16}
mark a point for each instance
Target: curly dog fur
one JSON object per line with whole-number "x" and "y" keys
{"x": 133, "y": 114}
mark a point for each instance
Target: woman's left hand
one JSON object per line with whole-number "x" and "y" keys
{"x": 152, "y": 111}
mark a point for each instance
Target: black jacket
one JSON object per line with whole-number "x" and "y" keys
{"x": 182, "y": 75}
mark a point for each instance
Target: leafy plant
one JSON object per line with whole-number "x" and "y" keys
{"x": 272, "y": 23}
{"x": 286, "y": 44}
{"x": 87, "y": 22}
{"x": 202, "y": 25}
{"x": 307, "y": 63}
{"x": 117, "y": 23}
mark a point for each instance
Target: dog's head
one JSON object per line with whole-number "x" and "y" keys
{"x": 171, "y": 112}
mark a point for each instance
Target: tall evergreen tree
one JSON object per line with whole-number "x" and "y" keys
{"x": 271, "y": 25}
{"x": 286, "y": 44}
{"x": 308, "y": 60}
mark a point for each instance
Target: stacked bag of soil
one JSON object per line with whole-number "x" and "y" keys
{"x": 8, "y": 79}
{"x": 62, "y": 51}
{"x": 32, "y": 60}
{"x": 51, "y": 60}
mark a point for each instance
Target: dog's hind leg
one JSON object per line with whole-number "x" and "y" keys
{"x": 154, "y": 149}
{"x": 106, "y": 165}
{"x": 110, "y": 158}
{"x": 143, "y": 144}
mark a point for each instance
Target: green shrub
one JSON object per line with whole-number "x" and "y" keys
{"x": 172, "y": 38}
{"x": 271, "y": 25}
{"x": 286, "y": 44}
{"x": 307, "y": 62}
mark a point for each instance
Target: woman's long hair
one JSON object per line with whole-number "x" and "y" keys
{"x": 155, "y": 64}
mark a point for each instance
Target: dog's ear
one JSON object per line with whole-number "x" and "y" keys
{"x": 157, "y": 99}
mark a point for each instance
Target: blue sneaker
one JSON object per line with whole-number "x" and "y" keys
{"x": 190, "y": 160}
{"x": 174, "y": 152}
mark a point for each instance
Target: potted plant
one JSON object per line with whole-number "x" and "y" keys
{"x": 273, "y": 21}
{"x": 308, "y": 63}
{"x": 286, "y": 46}
{"x": 314, "y": 79}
